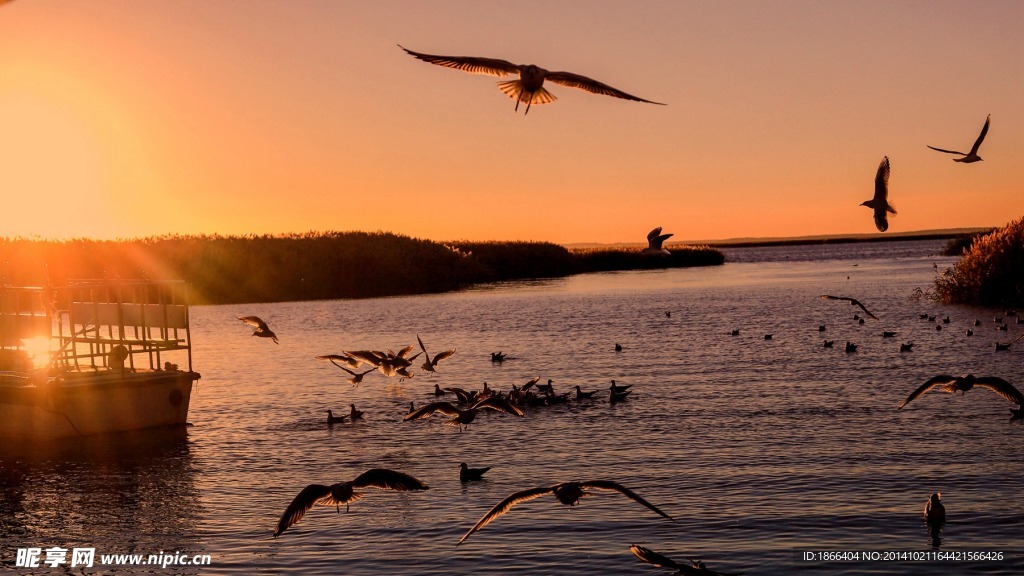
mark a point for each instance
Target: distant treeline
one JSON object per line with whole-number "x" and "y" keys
{"x": 312, "y": 266}
{"x": 991, "y": 272}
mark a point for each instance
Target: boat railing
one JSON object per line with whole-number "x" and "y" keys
{"x": 124, "y": 324}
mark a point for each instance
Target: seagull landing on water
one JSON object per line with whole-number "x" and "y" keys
{"x": 971, "y": 156}
{"x": 654, "y": 241}
{"x": 880, "y": 202}
{"x": 529, "y": 89}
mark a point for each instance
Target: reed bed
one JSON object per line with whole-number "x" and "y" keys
{"x": 312, "y": 266}
{"x": 991, "y": 272}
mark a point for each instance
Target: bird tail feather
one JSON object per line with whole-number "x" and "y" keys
{"x": 514, "y": 90}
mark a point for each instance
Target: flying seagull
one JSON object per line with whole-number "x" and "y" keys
{"x": 529, "y": 88}
{"x": 951, "y": 384}
{"x": 880, "y": 203}
{"x": 463, "y": 418}
{"x": 262, "y": 330}
{"x": 654, "y": 241}
{"x": 852, "y": 301}
{"x": 344, "y": 493}
{"x": 696, "y": 566}
{"x": 432, "y": 362}
{"x": 568, "y": 493}
{"x": 971, "y": 156}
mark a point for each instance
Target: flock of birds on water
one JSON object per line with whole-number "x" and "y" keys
{"x": 533, "y": 395}
{"x": 529, "y": 90}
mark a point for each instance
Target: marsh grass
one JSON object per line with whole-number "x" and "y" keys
{"x": 312, "y": 266}
{"x": 991, "y": 272}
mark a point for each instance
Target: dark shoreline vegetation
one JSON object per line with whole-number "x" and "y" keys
{"x": 316, "y": 266}
{"x": 991, "y": 272}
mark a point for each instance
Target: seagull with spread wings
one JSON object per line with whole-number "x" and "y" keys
{"x": 344, "y": 493}
{"x": 696, "y": 568}
{"x": 568, "y": 493}
{"x": 462, "y": 418}
{"x": 880, "y": 202}
{"x": 852, "y": 301}
{"x": 654, "y": 241}
{"x": 262, "y": 330}
{"x": 971, "y": 156}
{"x": 529, "y": 88}
{"x": 430, "y": 363}
{"x": 951, "y": 384}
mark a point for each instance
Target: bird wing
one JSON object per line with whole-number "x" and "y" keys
{"x": 404, "y": 351}
{"x": 425, "y": 411}
{"x": 1001, "y": 387}
{"x": 931, "y": 383}
{"x": 608, "y": 485}
{"x": 828, "y": 297}
{"x": 471, "y": 64}
{"x": 882, "y": 182}
{"x": 424, "y": 348}
{"x": 368, "y": 356}
{"x": 593, "y": 86}
{"x": 881, "y": 220}
{"x": 946, "y": 151}
{"x": 442, "y": 356}
{"x": 388, "y": 480}
{"x": 499, "y": 404}
{"x": 653, "y": 558}
{"x": 981, "y": 137}
{"x": 254, "y": 321}
{"x": 866, "y": 311}
{"x": 301, "y": 504}
{"x": 505, "y": 505}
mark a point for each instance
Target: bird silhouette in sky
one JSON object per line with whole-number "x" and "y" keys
{"x": 880, "y": 202}
{"x": 971, "y": 156}
{"x": 529, "y": 88}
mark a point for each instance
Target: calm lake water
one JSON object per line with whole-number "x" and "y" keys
{"x": 760, "y": 449}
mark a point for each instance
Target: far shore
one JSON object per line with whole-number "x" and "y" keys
{"x": 806, "y": 240}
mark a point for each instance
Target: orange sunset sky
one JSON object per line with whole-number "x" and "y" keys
{"x": 129, "y": 118}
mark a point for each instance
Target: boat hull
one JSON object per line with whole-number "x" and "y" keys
{"x": 86, "y": 403}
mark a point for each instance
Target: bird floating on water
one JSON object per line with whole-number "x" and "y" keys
{"x": 467, "y": 474}
{"x": 529, "y": 88}
{"x": 355, "y": 414}
{"x": 880, "y": 202}
{"x": 852, "y": 301}
{"x": 951, "y": 384}
{"x": 568, "y": 493}
{"x": 262, "y": 330}
{"x": 907, "y": 347}
{"x": 934, "y": 511}
{"x": 332, "y": 419}
{"x": 654, "y": 241}
{"x": 344, "y": 493}
{"x": 850, "y": 347}
{"x": 695, "y": 568}
{"x": 971, "y": 156}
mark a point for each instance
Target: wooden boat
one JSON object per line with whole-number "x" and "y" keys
{"x": 94, "y": 357}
